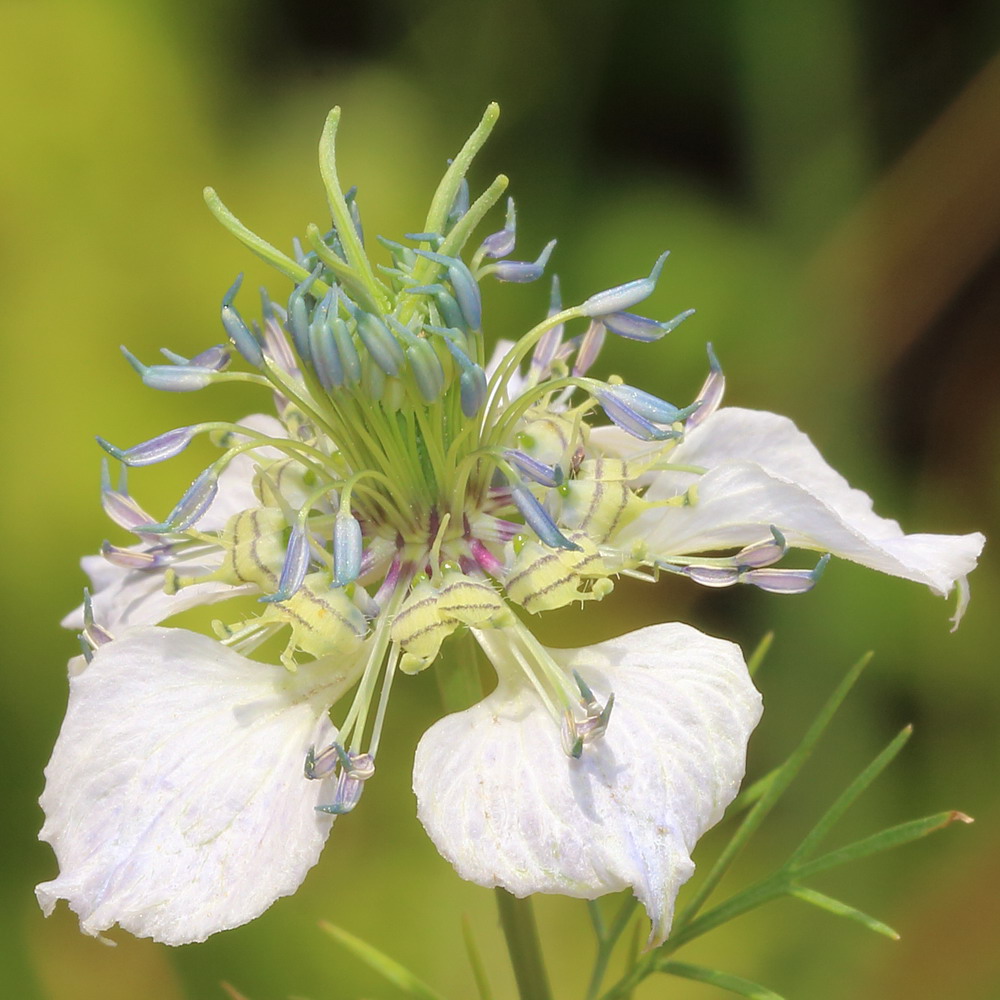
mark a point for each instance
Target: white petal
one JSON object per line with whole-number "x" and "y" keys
{"x": 175, "y": 798}
{"x": 763, "y": 471}
{"x": 507, "y": 807}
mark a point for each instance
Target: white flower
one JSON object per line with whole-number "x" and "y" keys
{"x": 407, "y": 489}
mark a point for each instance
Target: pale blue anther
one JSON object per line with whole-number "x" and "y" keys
{"x": 645, "y": 404}
{"x": 464, "y": 285}
{"x": 423, "y": 359}
{"x": 299, "y": 314}
{"x": 633, "y": 327}
{"x": 501, "y": 243}
{"x": 117, "y": 503}
{"x": 178, "y": 378}
{"x": 348, "y": 549}
{"x": 325, "y": 354}
{"x": 786, "y": 581}
{"x": 239, "y": 333}
{"x": 294, "y": 568}
{"x": 623, "y": 297}
{"x": 379, "y": 342}
{"x": 471, "y": 380}
{"x": 538, "y": 519}
{"x": 451, "y": 314}
{"x": 531, "y": 468}
{"x": 621, "y": 409}
{"x": 196, "y": 500}
{"x": 156, "y": 449}
{"x": 762, "y": 553}
{"x": 522, "y": 271}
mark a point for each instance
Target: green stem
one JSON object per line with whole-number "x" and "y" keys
{"x": 517, "y": 918}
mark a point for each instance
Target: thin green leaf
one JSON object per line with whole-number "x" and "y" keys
{"x": 724, "y": 980}
{"x": 850, "y": 794}
{"x": 388, "y": 968}
{"x": 757, "y": 656}
{"x": 784, "y": 777}
{"x": 835, "y": 906}
{"x": 895, "y": 836}
{"x": 476, "y": 961}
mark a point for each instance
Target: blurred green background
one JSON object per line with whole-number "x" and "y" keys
{"x": 825, "y": 174}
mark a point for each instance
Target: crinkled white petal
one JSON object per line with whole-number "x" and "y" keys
{"x": 763, "y": 471}
{"x": 175, "y": 798}
{"x": 507, "y": 807}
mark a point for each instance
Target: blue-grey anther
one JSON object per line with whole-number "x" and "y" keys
{"x": 633, "y": 423}
{"x": 196, "y": 500}
{"x": 633, "y": 327}
{"x": 380, "y": 343}
{"x": 501, "y": 243}
{"x": 522, "y": 271}
{"x": 538, "y": 472}
{"x": 323, "y": 345}
{"x": 423, "y": 359}
{"x": 645, "y": 404}
{"x": 347, "y": 351}
{"x": 178, "y": 378}
{"x": 538, "y": 519}
{"x": 299, "y": 314}
{"x": 156, "y": 449}
{"x": 348, "y": 549}
{"x": 464, "y": 285}
{"x": 239, "y": 333}
{"x": 172, "y": 378}
{"x": 623, "y": 297}
{"x": 294, "y": 568}
{"x": 471, "y": 381}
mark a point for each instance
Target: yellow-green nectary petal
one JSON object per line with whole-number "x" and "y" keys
{"x": 175, "y": 799}
{"x": 507, "y": 807}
